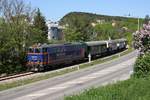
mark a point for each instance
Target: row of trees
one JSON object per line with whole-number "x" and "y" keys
{"x": 20, "y": 27}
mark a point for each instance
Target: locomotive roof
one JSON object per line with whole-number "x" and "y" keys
{"x": 54, "y": 45}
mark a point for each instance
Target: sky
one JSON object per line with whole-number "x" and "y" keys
{"x": 55, "y": 9}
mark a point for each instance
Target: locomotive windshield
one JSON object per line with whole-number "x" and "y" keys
{"x": 44, "y": 50}
{"x": 37, "y": 50}
{"x": 31, "y": 50}
{"x": 34, "y": 50}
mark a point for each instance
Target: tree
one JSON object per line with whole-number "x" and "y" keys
{"x": 142, "y": 39}
{"x": 16, "y": 34}
{"x": 142, "y": 66}
{"x": 40, "y": 23}
{"x": 106, "y": 30}
{"x": 79, "y": 29}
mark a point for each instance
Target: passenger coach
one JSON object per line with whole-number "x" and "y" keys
{"x": 96, "y": 48}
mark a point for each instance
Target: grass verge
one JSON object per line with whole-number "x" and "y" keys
{"x": 22, "y": 82}
{"x": 54, "y": 74}
{"x": 132, "y": 89}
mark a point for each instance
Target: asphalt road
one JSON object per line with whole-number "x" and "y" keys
{"x": 74, "y": 82}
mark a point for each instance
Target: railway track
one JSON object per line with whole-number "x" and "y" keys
{"x": 15, "y": 76}
{"x": 26, "y": 74}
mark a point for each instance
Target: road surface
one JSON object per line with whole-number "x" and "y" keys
{"x": 74, "y": 82}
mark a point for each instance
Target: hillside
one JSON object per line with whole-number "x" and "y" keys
{"x": 94, "y": 17}
{"x": 81, "y": 26}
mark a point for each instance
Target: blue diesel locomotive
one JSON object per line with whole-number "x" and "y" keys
{"x": 40, "y": 57}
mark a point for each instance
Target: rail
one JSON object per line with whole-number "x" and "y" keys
{"x": 15, "y": 76}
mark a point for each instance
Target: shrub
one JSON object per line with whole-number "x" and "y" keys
{"x": 142, "y": 66}
{"x": 142, "y": 39}
{"x": 142, "y": 43}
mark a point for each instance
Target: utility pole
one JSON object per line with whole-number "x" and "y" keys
{"x": 138, "y": 24}
{"x": 89, "y": 56}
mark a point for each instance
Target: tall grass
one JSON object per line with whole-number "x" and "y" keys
{"x": 132, "y": 89}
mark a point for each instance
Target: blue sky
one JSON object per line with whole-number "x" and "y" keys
{"x": 56, "y": 9}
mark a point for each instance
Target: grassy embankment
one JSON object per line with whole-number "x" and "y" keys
{"x": 132, "y": 89}
{"x": 58, "y": 73}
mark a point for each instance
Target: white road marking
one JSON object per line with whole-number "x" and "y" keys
{"x": 34, "y": 95}
{"x": 77, "y": 81}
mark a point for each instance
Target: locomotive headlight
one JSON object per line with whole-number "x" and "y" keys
{"x": 118, "y": 44}
{"x": 34, "y": 57}
{"x": 39, "y": 62}
{"x": 124, "y": 43}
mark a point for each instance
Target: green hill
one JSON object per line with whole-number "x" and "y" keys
{"x": 94, "y": 17}
{"x": 81, "y": 26}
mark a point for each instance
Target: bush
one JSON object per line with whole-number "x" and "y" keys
{"x": 142, "y": 66}
{"x": 142, "y": 39}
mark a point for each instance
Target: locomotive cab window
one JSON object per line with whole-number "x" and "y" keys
{"x": 37, "y": 50}
{"x": 30, "y": 50}
{"x": 44, "y": 50}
